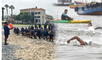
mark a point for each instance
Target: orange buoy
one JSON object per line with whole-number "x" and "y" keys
{"x": 11, "y": 26}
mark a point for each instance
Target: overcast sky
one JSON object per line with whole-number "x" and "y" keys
{"x": 46, "y": 4}
{"x": 22, "y": 4}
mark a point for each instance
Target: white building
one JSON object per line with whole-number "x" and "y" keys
{"x": 39, "y": 14}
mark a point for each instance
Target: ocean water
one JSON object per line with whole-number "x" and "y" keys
{"x": 64, "y": 32}
{"x": 73, "y": 51}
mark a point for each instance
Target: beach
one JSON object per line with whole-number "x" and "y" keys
{"x": 24, "y": 48}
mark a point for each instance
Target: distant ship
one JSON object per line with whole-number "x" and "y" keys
{"x": 90, "y": 9}
{"x": 64, "y": 3}
{"x": 78, "y": 4}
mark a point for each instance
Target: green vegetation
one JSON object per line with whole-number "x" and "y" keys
{"x": 11, "y": 7}
{"x": 24, "y": 17}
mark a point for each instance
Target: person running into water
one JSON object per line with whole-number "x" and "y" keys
{"x": 79, "y": 40}
{"x": 65, "y": 16}
{"x": 6, "y": 32}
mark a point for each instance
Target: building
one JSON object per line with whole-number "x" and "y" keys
{"x": 49, "y": 18}
{"x": 38, "y": 13}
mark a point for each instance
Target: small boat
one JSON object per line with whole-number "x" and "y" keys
{"x": 79, "y": 2}
{"x": 90, "y": 9}
{"x": 76, "y": 5}
{"x": 72, "y": 21}
{"x": 64, "y": 3}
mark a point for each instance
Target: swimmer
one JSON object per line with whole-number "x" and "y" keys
{"x": 79, "y": 40}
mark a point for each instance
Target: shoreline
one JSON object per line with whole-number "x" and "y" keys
{"x": 23, "y": 48}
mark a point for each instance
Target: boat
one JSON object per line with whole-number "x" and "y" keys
{"x": 79, "y": 2}
{"x": 64, "y": 3}
{"x": 76, "y": 5}
{"x": 71, "y": 21}
{"x": 90, "y": 9}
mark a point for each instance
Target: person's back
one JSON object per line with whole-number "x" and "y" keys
{"x": 45, "y": 32}
{"x": 18, "y": 31}
{"x": 51, "y": 35}
{"x": 45, "y": 26}
{"x": 32, "y": 28}
{"x": 38, "y": 33}
{"x": 22, "y": 29}
{"x": 6, "y": 30}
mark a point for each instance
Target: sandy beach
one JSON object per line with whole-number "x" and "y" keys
{"x": 23, "y": 48}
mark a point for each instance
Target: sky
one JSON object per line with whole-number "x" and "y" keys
{"x": 46, "y": 4}
{"x": 22, "y": 4}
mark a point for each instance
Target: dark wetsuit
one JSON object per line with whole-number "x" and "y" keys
{"x": 51, "y": 35}
{"x": 38, "y": 33}
{"x": 6, "y": 33}
{"x": 17, "y": 31}
{"x": 22, "y": 31}
{"x": 65, "y": 17}
{"x": 45, "y": 34}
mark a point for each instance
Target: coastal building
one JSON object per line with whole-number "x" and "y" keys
{"x": 49, "y": 18}
{"x": 38, "y": 13}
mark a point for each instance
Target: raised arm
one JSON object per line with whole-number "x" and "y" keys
{"x": 78, "y": 39}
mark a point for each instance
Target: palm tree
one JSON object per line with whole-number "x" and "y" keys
{"x": 6, "y": 6}
{"x": 11, "y": 7}
{"x": 3, "y": 13}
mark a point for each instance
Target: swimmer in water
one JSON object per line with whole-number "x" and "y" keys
{"x": 92, "y": 28}
{"x": 90, "y": 24}
{"x": 79, "y": 40}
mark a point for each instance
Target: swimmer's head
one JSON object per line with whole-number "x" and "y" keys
{"x": 89, "y": 24}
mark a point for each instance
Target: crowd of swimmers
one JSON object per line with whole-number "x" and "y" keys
{"x": 46, "y": 32}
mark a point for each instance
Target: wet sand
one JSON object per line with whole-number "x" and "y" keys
{"x": 23, "y": 48}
